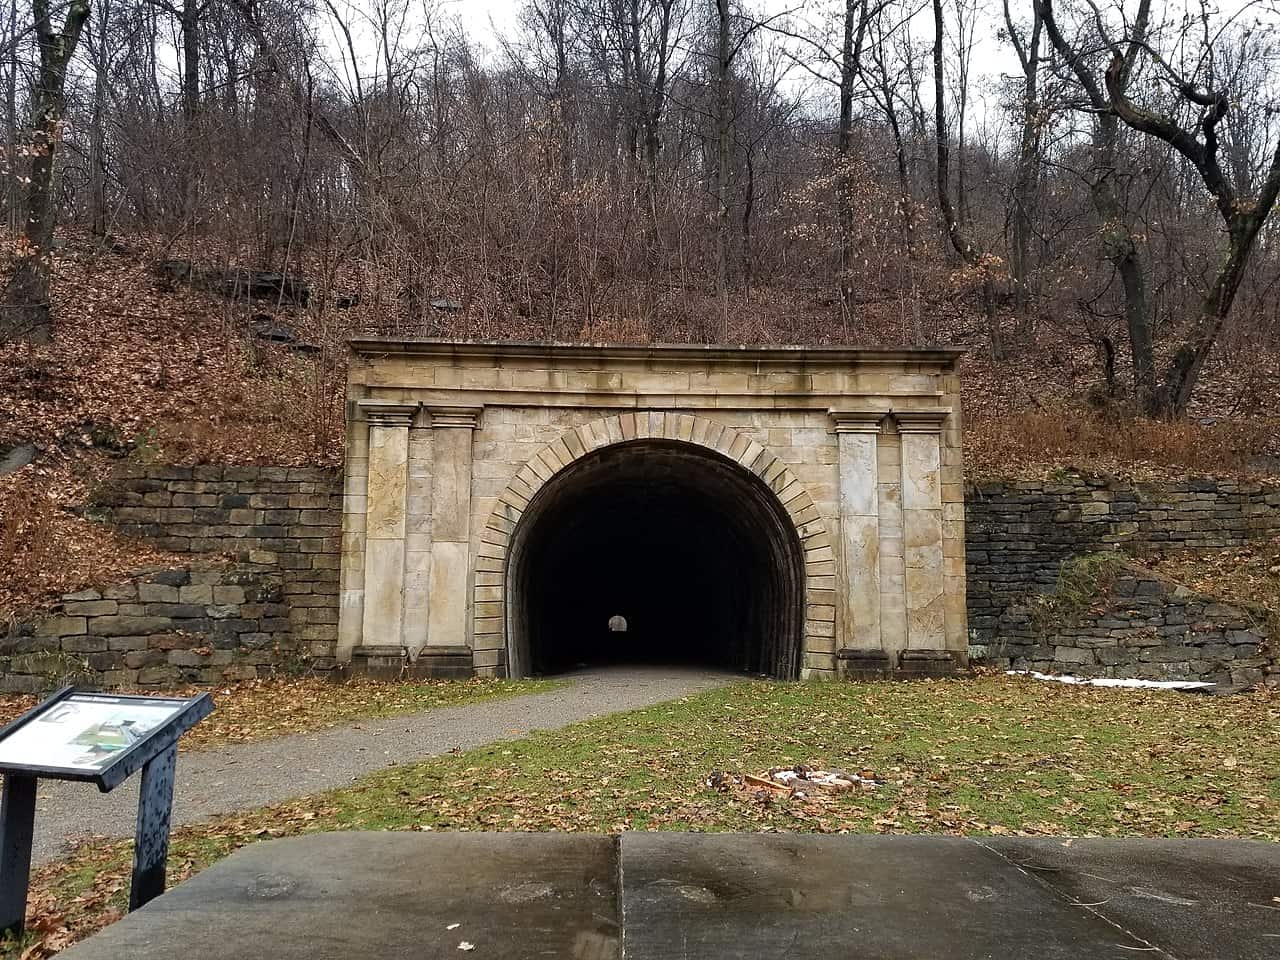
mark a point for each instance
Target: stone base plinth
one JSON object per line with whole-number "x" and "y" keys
{"x": 377, "y": 662}
{"x": 864, "y": 665}
{"x": 442, "y": 663}
{"x": 919, "y": 664}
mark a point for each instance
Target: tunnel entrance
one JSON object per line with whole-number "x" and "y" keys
{"x": 655, "y": 551}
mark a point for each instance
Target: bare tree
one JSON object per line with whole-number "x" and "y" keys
{"x": 961, "y": 240}
{"x": 1028, "y": 169}
{"x": 1117, "y": 233}
{"x": 27, "y": 313}
{"x": 1242, "y": 215}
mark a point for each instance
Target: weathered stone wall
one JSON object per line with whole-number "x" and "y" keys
{"x": 284, "y": 524}
{"x": 1127, "y": 622}
{"x": 283, "y": 519}
{"x": 449, "y": 443}
{"x": 203, "y": 623}
{"x": 1018, "y": 533}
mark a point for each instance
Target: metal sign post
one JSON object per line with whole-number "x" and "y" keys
{"x": 103, "y": 739}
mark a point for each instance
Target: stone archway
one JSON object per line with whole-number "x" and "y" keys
{"x": 850, "y": 458}
{"x": 781, "y": 535}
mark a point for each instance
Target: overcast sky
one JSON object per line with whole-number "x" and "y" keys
{"x": 486, "y": 21}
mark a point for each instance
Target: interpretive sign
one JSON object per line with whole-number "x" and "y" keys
{"x": 84, "y": 732}
{"x": 101, "y": 738}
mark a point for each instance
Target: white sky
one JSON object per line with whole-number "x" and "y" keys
{"x": 486, "y": 21}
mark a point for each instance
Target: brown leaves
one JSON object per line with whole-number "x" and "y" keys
{"x": 996, "y": 755}
{"x": 1023, "y": 443}
{"x": 47, "y": 549}
{"x": 1248, "y": 574}
{"x": 261, "y": 709}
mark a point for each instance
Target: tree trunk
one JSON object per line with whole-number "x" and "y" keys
{"x": 1184, "y": 368}
{"x": 190, "y": 60}
{"x": 97, "y": 129}
{"x": 1118, "y": 245}
{"x": 27, "y": 315}
{"x": 748, "y": 207}
{"x": 11, "y": 118}
{"x": 1028, "y": 169}
{"x": 844, "y": 146}
{"x": 722, "y": 163}
{"x": 963, "y": 245}
{"x": 1242, "y": 216}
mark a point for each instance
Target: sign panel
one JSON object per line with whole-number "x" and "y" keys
{"x": 86, "y": 732}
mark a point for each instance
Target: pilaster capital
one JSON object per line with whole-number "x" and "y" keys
{"x": 388, "y": 413}
{"x": 925, "y": 420}
{"x": 857, "y": 421}
{"x": 454, "y": 416}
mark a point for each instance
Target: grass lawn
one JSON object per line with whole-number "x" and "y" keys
{"x": 996, "y": 755}
{"x": 262, "y": 709}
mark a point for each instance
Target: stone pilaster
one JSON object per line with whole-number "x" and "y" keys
{"x": 449, "y": 593}
{"x": 922, "y": 526}
{"x": 856, "y": 433}
{"x": 355, "y": 504}
{"x": 383, "y": 614}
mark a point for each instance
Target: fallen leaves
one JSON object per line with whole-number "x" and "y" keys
{"x": 48, "y": 549}
{"x": 262, "y": 709}
{"x": 1245, "y": 574}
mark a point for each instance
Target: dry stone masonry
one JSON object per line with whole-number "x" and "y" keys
{"x": 286, "y": 519}
{"x": 1124, "y": 621}
{"x": 205, "y": 623}
{"x": 499, "y": 496}
{"x": 1019, "y": 532}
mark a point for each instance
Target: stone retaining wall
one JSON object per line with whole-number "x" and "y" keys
{"x": 284, "y": 519}
{"x": 283, "y": 524}
{"x": 1136, "y": 624}
{"x": 1018, "y": 533}
{"x": 199, "y": 624}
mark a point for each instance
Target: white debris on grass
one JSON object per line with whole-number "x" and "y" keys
{"x": 798, "y": 781}
{"x": 837, "y": 780}
{"x": 1112, "y": 682}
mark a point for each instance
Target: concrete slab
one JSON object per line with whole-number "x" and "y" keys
{"x": 729, "y": 896}
{"x": 392, "y": 896}
{"x": 384, "y": 896}
{"x": 1200, "y": 899}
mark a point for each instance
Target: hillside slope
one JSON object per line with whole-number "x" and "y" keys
{"x": 147, "y": 368}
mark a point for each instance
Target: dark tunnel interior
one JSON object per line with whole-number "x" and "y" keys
{"x": 687, "y": 550}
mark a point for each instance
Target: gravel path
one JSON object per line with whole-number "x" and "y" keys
{"x": 243, "y": 776}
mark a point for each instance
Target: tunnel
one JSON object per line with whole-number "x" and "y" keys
{"x": 655, "y": 552}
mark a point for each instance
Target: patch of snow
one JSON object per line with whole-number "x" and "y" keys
{"x": 1110, "y": 682}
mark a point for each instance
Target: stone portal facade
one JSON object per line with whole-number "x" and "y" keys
{"x": 451, "y": 445}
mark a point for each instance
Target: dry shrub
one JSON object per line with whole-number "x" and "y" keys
{"x": 26, "y": 531}
{"x": 1037, "y": 441}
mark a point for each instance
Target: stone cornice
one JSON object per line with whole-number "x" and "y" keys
{"x": 921, "y": 421}
{"x": 857, "y": 421}
{"x": 449, "y": 415}
{"x": 388, "y": 413}
{"x": 695, "y": 353}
